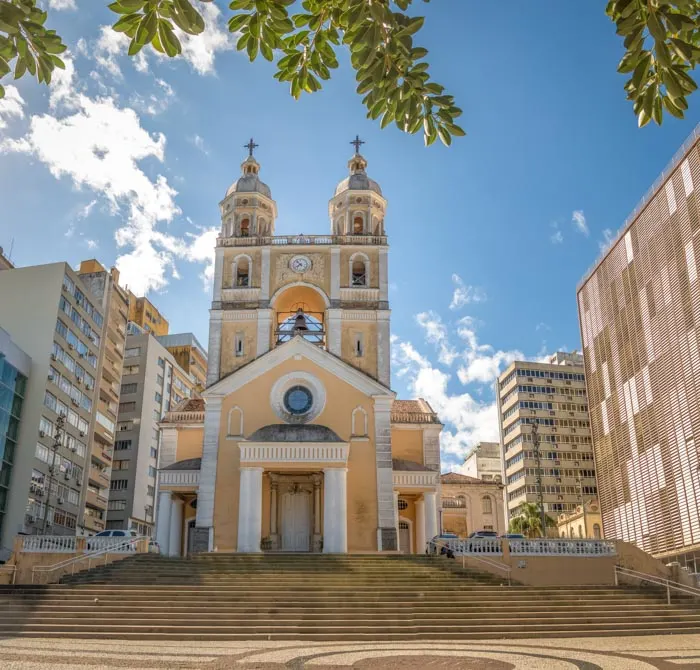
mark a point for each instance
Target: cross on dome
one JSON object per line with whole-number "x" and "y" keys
{"x": 358, "y": 143}
{"x": 250, "y": 146}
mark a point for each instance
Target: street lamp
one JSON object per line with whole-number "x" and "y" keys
{"x": 58, "y": 437}
{"x": 538, "y": 475}
{"x": 583, "y": 502}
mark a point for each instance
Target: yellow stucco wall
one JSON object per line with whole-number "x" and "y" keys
{"x": 189, "y": 443}
{"x": 372, "y": 254}
{"x": 341, "y": 399}
{"x": 229, "y": 330}
{"x": 368, "y": 330}
{"x": 230, "y": 255}
{"x": 319, "y": 274}
{"x": 407, "y": 444}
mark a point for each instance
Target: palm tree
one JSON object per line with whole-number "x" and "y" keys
{"x": 529, "y": 521}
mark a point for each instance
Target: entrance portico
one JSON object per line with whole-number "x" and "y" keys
{"x": 306, "y": 507}
{"x": 415, "y": 500}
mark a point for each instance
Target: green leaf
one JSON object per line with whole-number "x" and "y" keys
{"x": 168, "y": 39}
{"x": 127, "y": 6}
{"x": 127, "y": 23}
{"x": 2, "y": 91}
{"x": 683, "y": 49}
{"x": 147, "y": 28}
{"x": 237, "y": 22}
{"x": 252, "y": 48}
{"x": 444, "y": 136}
{"x": 655, "y": 27}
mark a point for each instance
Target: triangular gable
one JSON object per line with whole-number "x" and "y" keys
{"x": 283, "y": 352}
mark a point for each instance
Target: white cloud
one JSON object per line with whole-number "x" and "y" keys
{"x": 110, "y": 45}
{"x": 579, "y": 221}
{"x": 11, "y": 106}
{"x": 87, "y": 210}
{"x": 557, "y": 237}
{"x": 464, "y": 294}
{"x": 608, "y": 239}
{"x": 198, "y": 142}
{"x": 436, "y": 333}
{"x": 91, "y": 244}
{"x": 201, "y": 250}
{"x": 60, "y": 5}
{"x": 154, "y": 103}
{"x": 62, "y": 91}
{"x": 542, "y": 326}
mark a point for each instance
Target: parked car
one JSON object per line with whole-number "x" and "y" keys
{"x": 513, "y": 536}
{"x": 483, "y": 533}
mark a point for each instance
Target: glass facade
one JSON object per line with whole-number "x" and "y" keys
{"x": 12, "y": 388}
{"x": 639, "y": 311}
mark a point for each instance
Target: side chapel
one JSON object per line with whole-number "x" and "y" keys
{"x": 298, "y": 442}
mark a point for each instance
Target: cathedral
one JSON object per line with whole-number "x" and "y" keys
{"x": 298, "y": 443}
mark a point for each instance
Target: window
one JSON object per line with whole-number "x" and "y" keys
{"x": 159, "y": 380}
{"x": 596, "y": 531}
{"x": 131, "y": 352}
{"x": 50, "y": 401}
{"x": 238, "y": 344}
{"x": 150, "y": 491}
{"x": 125, "y": 425}
{"x": 298, "y": 400}
{"x": 158, "y": 398}
{"x": 358, "y": 225}
{"x": 151, "y": 471}
{"x": 402, "y": 504}
{"x": 359, "y": 346}
{"x": 131, "y": 369}
{"x": 154, "y": 452}
{"x": 486, "y": 506}
{"x": 156, "y": 415}
{"x": 120, "y": 465}
{"x": 129, "y": 388}
{"x": 245, "y": 227}
{"x": 116, "y": 505}
{"x": 118, "y": 484}
{"x": 161, "y": 362}
{"x": 62, "y": 329}
{"x": 122, "y": 445}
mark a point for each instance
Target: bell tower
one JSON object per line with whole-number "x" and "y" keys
{"x": 332, "y": 290}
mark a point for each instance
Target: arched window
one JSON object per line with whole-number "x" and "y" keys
{"x": 245, "y": 227}
{"x": 461, "y": 502}
{"x": 358, "y": 225}
{"x": 359, "y": 270}
{"x": 486, "y": 506}
{"x": 242, "y": 271}
{"x": 359, "y": 422}
{"x": 262, "y": 227}
{"x": 596, "y": 531}
{"x": 563, "y": 534}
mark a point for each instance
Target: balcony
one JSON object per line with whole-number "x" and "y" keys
{"x": 302, "y": 240}
{"x": 359, "y": 294}
{"x": 96, "y": 501}
{"x": 94, "y": 524}
{"x": 240, "y": 294}
{"x": 98, "y": 477}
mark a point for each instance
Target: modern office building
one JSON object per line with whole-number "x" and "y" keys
{"x": 484, "y": 462}
{"x": 189, "y": 354}
{"x": 15, "y": 367}
{"x": 51, "y": 313}
{"x": 639, "y": 312}
{"x": 145, "y": 314}
{"x": 152, "y": 383}
{"x": 551, "y": 396}
{"x": 114, "y": 302}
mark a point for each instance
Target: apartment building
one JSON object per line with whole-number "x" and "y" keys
{"x": 189, "y": 354}
{"x": 553, "y": 397}
{"x": 152, "y": 383}
{"x": 145, "y": 314}
{"x": 114, "y": 302}
{"x": 484, "y": 462}
{"x": 59, "y": 324}
{"x": 15, "y": 367}
{"x": 639, "y": 312}
{"x": 5, "y": 262}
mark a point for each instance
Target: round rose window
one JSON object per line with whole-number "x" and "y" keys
{"x": 298, "y": 400}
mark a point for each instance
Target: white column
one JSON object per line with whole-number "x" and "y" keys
{"x": 250, "y": 510}
{"x": 165, "y": 505}
{"x": 333, "y": 336}
{"x": 431, "y": 521}
{"x": 384, "y": 347}
{"x": 214, "y": 353}
{"x": 264, "y": 325}
{"x": 383, "y": 274}
{"x": 335, "y": 272}
{"x": 175, "y": 540}
{"x": 420, "y": 527}
{"x": 265, "y": 274}
{"x": 335, "y": 511}
{"x": 396, "y": 507}
{"x": 210, "y": 457}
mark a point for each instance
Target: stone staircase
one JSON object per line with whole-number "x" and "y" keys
{"x": 324, "y": 597}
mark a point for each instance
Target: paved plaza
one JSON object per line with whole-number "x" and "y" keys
{"x": 664, "y": 652}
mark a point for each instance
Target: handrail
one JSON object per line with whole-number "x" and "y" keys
{"x": 10, "y": 568}
{"x": 654, "y": 579}
{"x": 432, "y": 544}
{"x": 72, "y": 562}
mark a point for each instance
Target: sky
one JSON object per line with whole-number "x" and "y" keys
{"x": 126, "y": 160}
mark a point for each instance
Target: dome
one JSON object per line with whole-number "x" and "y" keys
{"x": 358, "y": 182}
{"x": 249, "y": 183}
{"x": 358, "y": 179}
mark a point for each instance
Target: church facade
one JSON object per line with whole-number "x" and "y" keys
{"x": 298, "y": 442}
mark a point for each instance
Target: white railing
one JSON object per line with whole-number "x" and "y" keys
{"x": 287, "y": 453}
{"x": 240, "y": 294}
{"x": 288, "y": 240}
{"x": 118, "y": 545}
{"x": 562, "y": 547}
{"x": 415, "y": 479}
{"x": 191, "y": 417}
{"x": 475, "y": 546}
{"x": 126, "y": 545}
{"x": 179, "y": 477}
{"x": 357, "y": 294}
{"x": 644, "y": 578}
{"x": 50, "y": 544}
{"x": 443, "y": 547}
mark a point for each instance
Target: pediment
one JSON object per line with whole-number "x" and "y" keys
{"x": 287, "y": 351}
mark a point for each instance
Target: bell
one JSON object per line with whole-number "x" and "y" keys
{"x": 300, "y": 321}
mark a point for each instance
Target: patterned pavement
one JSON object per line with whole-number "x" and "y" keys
{"x": 663, "y": 652}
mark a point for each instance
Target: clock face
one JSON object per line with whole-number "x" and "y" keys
{"x": 300, "y": 264}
